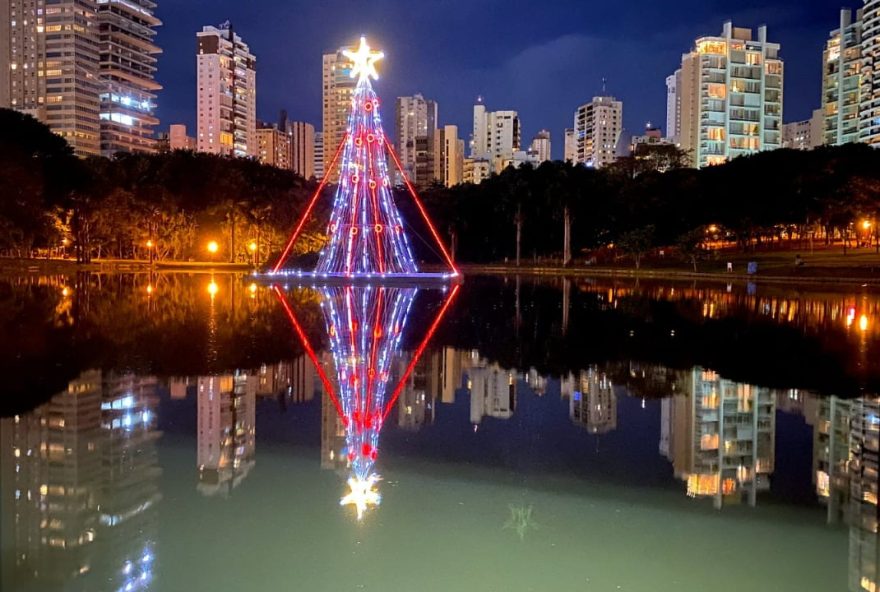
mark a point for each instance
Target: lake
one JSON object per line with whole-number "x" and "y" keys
{"x": 182, "y": 431}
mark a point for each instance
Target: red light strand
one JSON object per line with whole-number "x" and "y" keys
{"x": 309, "y": 351}
{"x": 419, "y": 351}
{"x": 308, "y": 211}
{"x": 421, "y": 207}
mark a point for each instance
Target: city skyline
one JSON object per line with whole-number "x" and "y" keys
{"x": 555, "y": 43}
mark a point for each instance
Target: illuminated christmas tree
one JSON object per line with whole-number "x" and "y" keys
{"x": 366, "y": 233}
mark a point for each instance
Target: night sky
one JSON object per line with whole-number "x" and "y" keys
{"x": 541, "y": 58}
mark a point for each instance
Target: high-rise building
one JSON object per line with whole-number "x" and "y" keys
{"x": 227, "y": 93}
{"x": 448, "y": 156}
{"x": 177, "y": 138}
{"x": 319, "y": 155}
{"x": 273, "y": 146}
{"x": 50, "y": 53}
{"x": 597, "y": 128}
{"x": 841, "y": 80}
{"x": 415, "y": 117}
{"x": 479, "y": 145}
{"x": 496, "y": 135}
{"x": 569, "y": 146}
{"x": 806, "y": 134}
{"x": 869, "y": 112}
{"x": 338, "y": 88}
{"x": 539, "y": 149}
{"x": 302, "y": 148}
{"x": 731, "y": 96}
{"x": 673, "y": 106}
{"x": 504, "y": 136}
{"x": 127, "y": 70}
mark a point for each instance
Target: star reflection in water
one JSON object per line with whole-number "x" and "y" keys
{"x": 365, "y": 326}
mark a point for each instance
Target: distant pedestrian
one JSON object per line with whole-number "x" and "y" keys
{"x": 798, "y": 261}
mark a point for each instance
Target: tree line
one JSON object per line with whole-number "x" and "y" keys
{"x": 170, "y": 205}
{"x": 561, "y": 211}
{"x": 167, "y": 206}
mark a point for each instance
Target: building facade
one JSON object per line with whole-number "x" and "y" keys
{"x": 569, "y": 153}
{"x": 227, "y": 93}
{"x": 673, "y": 107}
{"x": 127, "y": 71}
{"x": 869, "y": 100}
{"x": 302, "y": 148}
{"x": 597, "y": 129}
{"x": 475, "y": 170}
{"x": 178, "y": 139}
{"x": 319, "y": 155}
{"x": 337, "y": 89}
{"x": 806, "y": 134}
{"x": 731, "y": 96}
{"x": 539, "y": 149}
{"x": 414, "y": 117}
{"x": 841, "y": 80}
{"x": 496, "y": 135}
{"x": 50, "y": 59}
{"x": 448, "y": 156}
{"x": 273, "y": 146}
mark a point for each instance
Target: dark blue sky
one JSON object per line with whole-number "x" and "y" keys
{"x": 541, "y": 58}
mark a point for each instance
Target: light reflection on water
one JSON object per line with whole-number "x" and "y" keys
{"x": 619, "y": 455}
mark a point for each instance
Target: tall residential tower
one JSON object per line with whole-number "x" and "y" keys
{"x": 731, "y": 96}
{"x": 227, "y": 93}
{"x": 338, "y": 88}
{"x": 597, "y": 128}
{"x": 127, "y": 70}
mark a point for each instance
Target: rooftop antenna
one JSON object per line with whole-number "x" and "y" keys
{"x": 604, "y": 81}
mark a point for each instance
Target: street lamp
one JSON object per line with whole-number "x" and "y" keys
{"x": 150, "y": 245}
{"x": 252, "y": 247}
{"x": 213, "y": 247}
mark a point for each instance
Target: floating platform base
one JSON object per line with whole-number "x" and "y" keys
{"x": 294, "y": 277}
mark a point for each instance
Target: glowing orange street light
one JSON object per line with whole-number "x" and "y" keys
{"x": 252, "y": 247}
{"x": 866, "y": 224}
{"x": 213, "y": 247}
{"x": 150, "y": 244}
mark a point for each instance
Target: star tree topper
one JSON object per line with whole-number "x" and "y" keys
{"x": 364, "y": 61}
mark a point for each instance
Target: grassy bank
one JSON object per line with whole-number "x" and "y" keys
{"x": 822, "y": 266}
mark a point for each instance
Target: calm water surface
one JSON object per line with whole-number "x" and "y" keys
{"x": 195, "y": 432}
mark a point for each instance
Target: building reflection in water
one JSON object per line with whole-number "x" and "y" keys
{"x": 720, "y": 436}
{"x": 226, "y": 430}
{"x": 591, "y": 399}
{"x": 80, "y": 487}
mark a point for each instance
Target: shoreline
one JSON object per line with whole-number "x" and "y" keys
{"x": 866, "y": 278}
{"x": 846, "y": 275}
